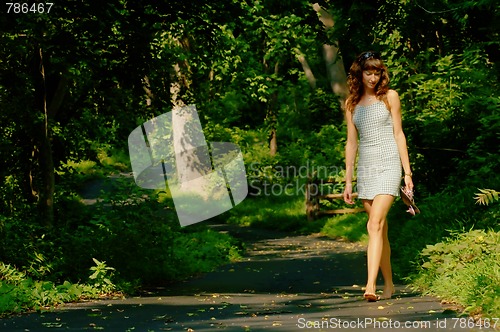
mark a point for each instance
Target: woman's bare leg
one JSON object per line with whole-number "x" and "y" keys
{"x": 385, "y": 261}
{"x": 385, "y": 264}
{"x": 377, "y": 213}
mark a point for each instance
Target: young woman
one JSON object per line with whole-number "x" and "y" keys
{"x": 374, "y": 112}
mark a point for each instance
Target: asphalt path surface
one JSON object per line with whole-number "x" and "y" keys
{"x": 284, "y": 283}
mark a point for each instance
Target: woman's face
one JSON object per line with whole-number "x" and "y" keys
{"x": 371, "y": 78}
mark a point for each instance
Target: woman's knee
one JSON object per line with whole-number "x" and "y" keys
{"x": 375, "y": 225}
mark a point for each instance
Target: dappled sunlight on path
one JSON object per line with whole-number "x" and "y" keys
{"x": 283, "y": 283}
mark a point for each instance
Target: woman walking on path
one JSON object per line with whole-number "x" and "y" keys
{"x": 374, "y": 112}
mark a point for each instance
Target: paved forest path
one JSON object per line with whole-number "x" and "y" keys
{"x": 284, "y": 283}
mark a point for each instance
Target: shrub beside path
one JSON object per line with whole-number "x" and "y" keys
{"x": 284, "y": 283}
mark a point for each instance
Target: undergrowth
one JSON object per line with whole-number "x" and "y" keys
{"x": 451, "y": 249}
{"x": 464, "y": 268}
{"x": 129, "y": 239}
{"x": 19, "y": 292}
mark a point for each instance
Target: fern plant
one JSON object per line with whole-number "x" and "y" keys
{"x": 10, "y": 274}
{"x": 486, "y": 196}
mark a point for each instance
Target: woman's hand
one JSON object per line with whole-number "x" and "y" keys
{"x": 348, "y": 194}
{"x": 409, "y": 183}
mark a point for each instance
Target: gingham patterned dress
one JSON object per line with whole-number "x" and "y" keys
{"x": 379, "y": 166}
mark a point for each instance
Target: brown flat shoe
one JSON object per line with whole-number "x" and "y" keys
{"x": 407, "y": 197}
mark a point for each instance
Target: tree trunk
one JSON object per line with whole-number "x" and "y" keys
{"x": 273, "y": 118}
{"x": 43, "y": 146}
{"x": 273, "y": 143}
{"x": 181, "y": 81}
{"x": 147, "y": 89}
{"x": 334, "y": 63}
{"x": 58, "y": 97}
{"x": 307, "y": 71}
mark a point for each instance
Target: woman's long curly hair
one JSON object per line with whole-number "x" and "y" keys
{"x": 366, "y": 61}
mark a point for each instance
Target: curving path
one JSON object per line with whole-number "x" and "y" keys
{"x": 284, "y": 283}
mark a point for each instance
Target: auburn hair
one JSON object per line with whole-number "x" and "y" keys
{"x": 366, "y": 61}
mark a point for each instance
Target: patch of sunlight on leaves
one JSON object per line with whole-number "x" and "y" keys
{"x": 348, "y": 226}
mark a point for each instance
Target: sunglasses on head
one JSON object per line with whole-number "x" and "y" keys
{"x": 367, "y": 55}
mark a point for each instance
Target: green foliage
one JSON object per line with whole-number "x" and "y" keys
{"x": 285, "y": 211}
{"x": 486, "y": 196}
{"x": 464, "y": 268}
{"x": 442, "y": 106}
{"x": 440, "y": 214}
{"x": 202, "y": 251}
{"x": 155, "y": 244}
{"x": 238, "y": 61}
{"x": 322, "y": 149}
{"x": 10, "y": 274}
{"x": 101, "y": 276}
{"x": 20, "y": 293}
{"x": 281, "y": 211}
{"x": 156, "y": 251}
{"x": 134, "y": 231}
{"x": 351, "y": 227}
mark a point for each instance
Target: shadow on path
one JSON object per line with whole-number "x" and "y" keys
{"x": 284, "y": 283}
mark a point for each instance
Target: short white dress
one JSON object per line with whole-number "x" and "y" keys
{"x": 379, "y": 165}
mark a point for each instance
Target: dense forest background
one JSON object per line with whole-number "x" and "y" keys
{"x": 267, "y": 75}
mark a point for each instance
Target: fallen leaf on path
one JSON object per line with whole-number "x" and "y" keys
{"x": 57, "y": 325}
{"x": 241, "y": 313}
{"x": 165, "y": 318}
